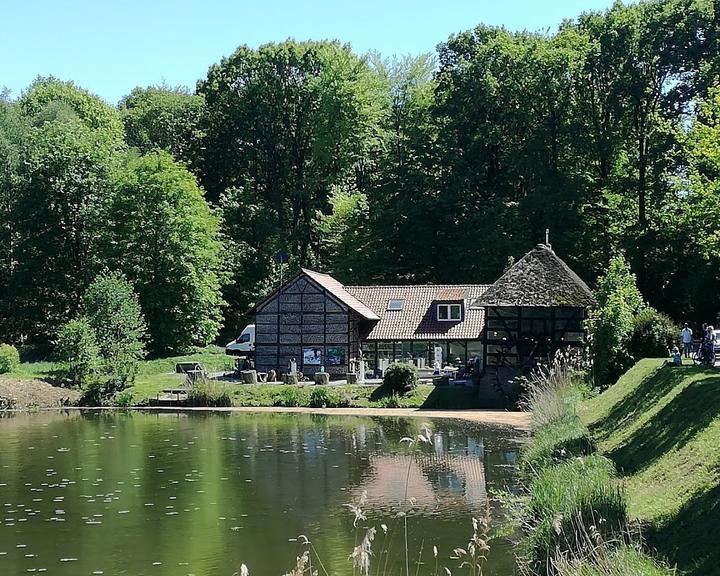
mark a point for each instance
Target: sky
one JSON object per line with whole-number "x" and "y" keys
{"x": 111, "y": 46}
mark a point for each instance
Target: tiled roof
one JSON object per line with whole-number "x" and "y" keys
{"x": 539, "y": 279}
{"x": 418, "y": 318}
{"x": 339, "y": 291}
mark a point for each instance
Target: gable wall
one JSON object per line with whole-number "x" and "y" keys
{"x": 303, "y": 315}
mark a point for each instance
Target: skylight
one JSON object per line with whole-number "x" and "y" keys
{"x": 395, "y": 304}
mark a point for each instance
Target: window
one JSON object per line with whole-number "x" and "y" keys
{"x": 243, "y": 338}
{"x": 395, "y": 304}
{"x": 449, "y": 312}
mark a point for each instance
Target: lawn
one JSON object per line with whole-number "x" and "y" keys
{"x": 661, "y": 427}
{"x": 156, "y": 374}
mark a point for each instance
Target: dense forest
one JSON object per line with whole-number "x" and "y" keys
{"x": 432, "y": 168}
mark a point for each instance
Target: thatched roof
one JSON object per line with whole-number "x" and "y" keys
{"x": 539, "y": 279}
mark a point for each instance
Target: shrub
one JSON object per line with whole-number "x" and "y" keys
{"x": 611, "y": 322}
{"x": 653, "y": 334}
{"x": 391, "y": 401}
{"x": 289, "y": 397}
{"x": 320, "y": 397}
{"x": 78, "y": 353}
{"x": 567, "y": 500}
{"x": 556, "y": 442}
{"x": 207, "y": 393}
{"x": 9, "y": 358}
{"x": 400, "y": 378}
{"x": 113, "y": 310}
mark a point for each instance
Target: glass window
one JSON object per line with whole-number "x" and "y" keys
{"x": 396, "y": 304}
{"x": 449, "y": 312}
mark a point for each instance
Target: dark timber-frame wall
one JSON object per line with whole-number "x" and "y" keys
{"x": 303, "y": 314}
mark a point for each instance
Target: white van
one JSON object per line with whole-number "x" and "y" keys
{"x": 243, "y": 344}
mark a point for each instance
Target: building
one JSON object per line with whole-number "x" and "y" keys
{"x": 537, "y": 305}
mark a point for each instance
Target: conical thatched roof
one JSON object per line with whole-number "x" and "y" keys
{"x": 540, "y": 279}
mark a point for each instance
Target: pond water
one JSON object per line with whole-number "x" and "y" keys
{"x": 178, "y": 493}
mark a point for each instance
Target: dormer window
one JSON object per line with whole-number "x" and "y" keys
{"x": 449, "y": 312}
{"x": 396, "y": 304}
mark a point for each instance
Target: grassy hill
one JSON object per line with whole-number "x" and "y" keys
{"x": 661, "y": 427}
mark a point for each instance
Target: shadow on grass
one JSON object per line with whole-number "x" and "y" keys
{"x": 690, "y": 412}
{"x": 690, "y": 539}
{"x": 650, "y": 390}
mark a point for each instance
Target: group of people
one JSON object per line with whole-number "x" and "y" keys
{"x": 706, "y": 349}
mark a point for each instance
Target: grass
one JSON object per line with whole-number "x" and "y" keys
{"x": 623, "y": 560}
{"x": 661, "y": 427}
{"x": 157, "y": 374}
{"x": 554, "y": 443}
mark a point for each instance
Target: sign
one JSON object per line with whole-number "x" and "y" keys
{"x": 336, "y": 356}
{"x": 312, "y": 356}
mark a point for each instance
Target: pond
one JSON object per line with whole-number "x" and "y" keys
{"x": 165, "y": 494}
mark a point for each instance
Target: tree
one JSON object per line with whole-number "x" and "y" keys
{"x": 14, "y": 133}
{"x": 287, "y": 124}
{"x": 164, "y": 118}
{"x": 610, "y": 323}
{"x": 113, "y": 310}
{"x": 163, "y": 236}
{"x": 78, "y": 353}
{"x": 62, "y": 184}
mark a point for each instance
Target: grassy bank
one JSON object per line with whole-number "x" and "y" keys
{"x": 158, "y": 374}
{"x": 575, "y": 520}
{"x": 661, "y": 428}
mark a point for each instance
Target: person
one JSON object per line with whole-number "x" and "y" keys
{"x": 686, "y": 334}
{"x": 676, "y": 356}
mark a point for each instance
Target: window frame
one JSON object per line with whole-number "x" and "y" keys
{"x": 449, "y": 307}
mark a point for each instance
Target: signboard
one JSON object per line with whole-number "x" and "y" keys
{"x": 336, "y": 356}
{"x": 312, "y": 356}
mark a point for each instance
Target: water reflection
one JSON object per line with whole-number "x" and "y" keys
{"x": 112, "y": 493}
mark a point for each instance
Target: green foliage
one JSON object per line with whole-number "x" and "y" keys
{"x": 9, "y": 358}
{"x": 566, "y": 500}
{"x": 653, "y": 334}
{"x": 611, "y": 322}
{"x": 165, "y": 118}
{"x": 78, "y": 353}
{"x": 320, "y": 397}
{"x": 389, "y": 401}
{"x": 289, "y": 397}
{"x": 208, "y": 393}
{"x": 400, "y": 378}
{"x": 113, "y": 310}
{"x": 553, "y": 443}
{"x": 164, "y": 237}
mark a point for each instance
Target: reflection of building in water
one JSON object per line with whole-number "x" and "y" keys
{"x": 442, "y": 481}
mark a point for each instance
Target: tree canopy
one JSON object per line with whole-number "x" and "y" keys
{"x": 429, "y": 168}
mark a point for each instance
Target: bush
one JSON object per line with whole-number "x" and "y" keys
{"x": 320, "y": 397}
{"x": 113, "y": 310}
{"x": 289, "y": 397}
{"x": 554, "y": 443}
{"x": 611, "y": 322}
{"x": 9, "y": 358}
{"x": 391, "y": 401}
{"x": 78, "y": 353}
{"x": 207, "y": 393}
{"x": 567, "y": 500}
{"x": 400, "y": 378}
{"x": 653, "y": 334}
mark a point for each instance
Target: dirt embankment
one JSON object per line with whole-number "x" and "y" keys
{"x": 23, "y": 394}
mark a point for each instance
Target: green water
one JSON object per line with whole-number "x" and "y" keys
{"x": 176, "y": 494}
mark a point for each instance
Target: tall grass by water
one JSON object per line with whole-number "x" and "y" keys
{"x": 575, "y": 522}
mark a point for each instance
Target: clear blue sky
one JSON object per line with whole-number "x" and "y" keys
{"x": 111, "y": 46}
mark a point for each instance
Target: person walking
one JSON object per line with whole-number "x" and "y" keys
{"x": 686, "y": 334}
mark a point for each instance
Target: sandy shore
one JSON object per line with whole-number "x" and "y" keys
{"x": 505, "y": 417}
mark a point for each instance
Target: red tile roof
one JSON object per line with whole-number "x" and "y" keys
{"x": 418, "y": 318}
{"x": 339, "y": 291}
